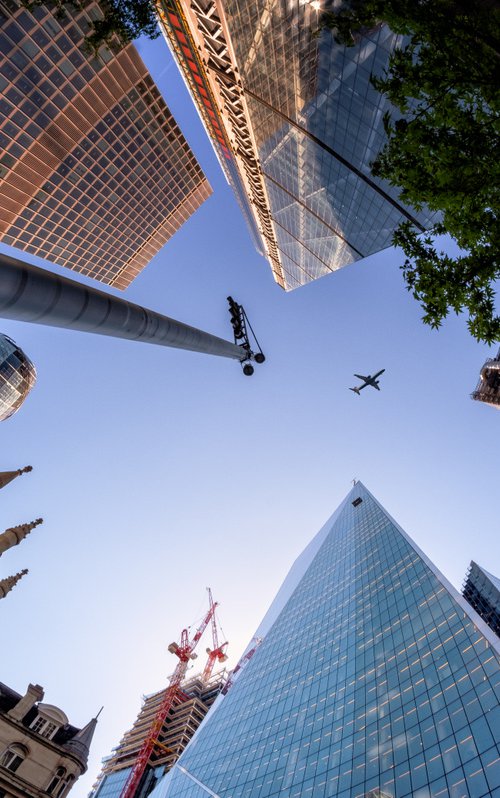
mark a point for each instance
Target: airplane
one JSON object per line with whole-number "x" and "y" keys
{"x": 367, "y": 381}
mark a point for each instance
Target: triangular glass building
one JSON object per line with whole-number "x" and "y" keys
{"x": 374, "y": 678}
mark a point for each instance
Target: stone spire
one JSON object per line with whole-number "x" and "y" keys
{"x": 8, "y": 476}
{"x": 8, "y": 583}
{"x": 79, "y": 745}
{"x": 14, "y": 535}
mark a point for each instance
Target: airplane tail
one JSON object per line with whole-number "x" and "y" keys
{"x": 356, "y": 390}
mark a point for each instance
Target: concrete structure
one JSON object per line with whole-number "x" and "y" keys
{"x": 295, "y": 123}
{"x": 17, "y": 377}
{"x": 95, "y": 173}
{"x": 488, "y": 387}
{"x": 374, "y": 678}
{"x": 189, "y": 710}
{"x": 41, "y": 753}
{"x": 482, "y": 591}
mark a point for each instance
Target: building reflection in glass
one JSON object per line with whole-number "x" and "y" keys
{"x": 17, "y": 377}
{"x": 296, "y": 118}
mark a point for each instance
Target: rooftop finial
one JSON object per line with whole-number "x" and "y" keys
{"x": 9, "y": 582}
{"x": 8, "y": 476}
{"x": 14, "y": 535}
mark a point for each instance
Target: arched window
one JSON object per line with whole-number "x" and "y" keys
{"x": 13, "y": 756}
{"x": 59, "y": 783}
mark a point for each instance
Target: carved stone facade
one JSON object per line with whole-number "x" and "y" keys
{"x": 41, "y": 753}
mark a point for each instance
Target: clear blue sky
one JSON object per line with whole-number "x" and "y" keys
{"x": 161, "y": 472}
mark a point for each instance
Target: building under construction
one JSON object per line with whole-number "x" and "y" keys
{"x": 190, "y": 706}
{"x": 167, "y": 720}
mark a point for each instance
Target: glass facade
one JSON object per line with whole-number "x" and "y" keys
{"x": 482, "y": 591}
{"x": 95, "y": 174}
{"x": 374, "y": 678}
{"x": 17, "y": 377}
{"x": 301, "y": 109}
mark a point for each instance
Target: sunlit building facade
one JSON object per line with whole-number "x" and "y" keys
{"x": 295, "y": 123}
{"x": 17, "y": 377}
{"x": 41, "y": 753}
{"x": 95, "y": 174}
{"x": 374, "y": 678}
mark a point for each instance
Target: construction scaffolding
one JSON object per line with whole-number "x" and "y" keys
{"x": 189, "y": 708}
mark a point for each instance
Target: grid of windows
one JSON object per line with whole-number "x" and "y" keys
{"x": 373, "y": 680}
{"x": 315, "y": 123}
{"x": 326, "y": 213}
{"x": 113, "y": 784}
{"x": 17, "y": 377}
{"x": 95, "y": 174}
{"x": 482, "y": 591}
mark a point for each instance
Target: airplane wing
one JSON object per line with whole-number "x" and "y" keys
{"x": 360, "y": 377}
{"x": 375, "y": 385}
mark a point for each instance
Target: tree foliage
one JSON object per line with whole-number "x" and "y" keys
{"x": 122, "y": 20}
{"x": 443, "y": 148}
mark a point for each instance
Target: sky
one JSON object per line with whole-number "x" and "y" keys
{"x": 161, "y": 472}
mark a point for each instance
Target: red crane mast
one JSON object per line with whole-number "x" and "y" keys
{"x": 217, "y": 652}
{"x": 185, "y": 653}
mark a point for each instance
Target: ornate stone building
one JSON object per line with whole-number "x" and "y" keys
{"x": 41, "y": 753}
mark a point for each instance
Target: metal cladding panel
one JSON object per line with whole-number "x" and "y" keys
{"x": 374, "y": 679}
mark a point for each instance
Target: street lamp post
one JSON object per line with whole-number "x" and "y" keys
{"x": 28, "y": 293}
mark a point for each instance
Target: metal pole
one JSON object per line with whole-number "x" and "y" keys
{"x": 28, "y": 293}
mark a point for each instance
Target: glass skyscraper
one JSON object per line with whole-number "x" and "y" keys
{"x": 295, "y": 123}
{"x": 17, "y": 377}
{"x": 374, "y": 678}
{"x": 482, "y": 591}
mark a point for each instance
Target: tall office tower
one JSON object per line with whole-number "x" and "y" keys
{"x": 188, "y": 711}
{"x": 17, "y": 377}
{"x": 482, "y": 591}
{"x": 488, "y": 387}
{"x": 95, "y": 173}
{"x": 295, "y": 123}
{"x": 41, "y": 753}
{"x": 374, "y": 678}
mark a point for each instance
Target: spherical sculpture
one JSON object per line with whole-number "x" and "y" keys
{"x": 17, "y": 377}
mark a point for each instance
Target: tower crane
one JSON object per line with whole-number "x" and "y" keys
{"x": 241, "y": 664}
{"x": 185, "y": 652}
{"x": 217, "y": 653}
